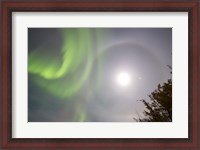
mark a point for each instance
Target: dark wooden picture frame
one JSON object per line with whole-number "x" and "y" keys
{"x": 190, "y": 6}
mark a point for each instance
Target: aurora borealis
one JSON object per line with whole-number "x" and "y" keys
{"x": 72, "y": 72}
{"x": 75, "y": 57}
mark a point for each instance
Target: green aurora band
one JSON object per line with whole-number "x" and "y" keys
{"x": 63, "y": 72}
{"x": 57, "y": 75}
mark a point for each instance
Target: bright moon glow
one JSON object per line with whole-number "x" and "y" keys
{"x": 123, "y": 79}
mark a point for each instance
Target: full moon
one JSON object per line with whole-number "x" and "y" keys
{"x": 123, "y": 79}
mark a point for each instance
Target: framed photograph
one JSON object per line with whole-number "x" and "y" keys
{"x": 100, "y": 74}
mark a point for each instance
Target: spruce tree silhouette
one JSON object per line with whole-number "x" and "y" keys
{"x": 159, "y": 108}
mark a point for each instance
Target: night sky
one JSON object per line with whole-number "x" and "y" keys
{"x": 95, "y": 74}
